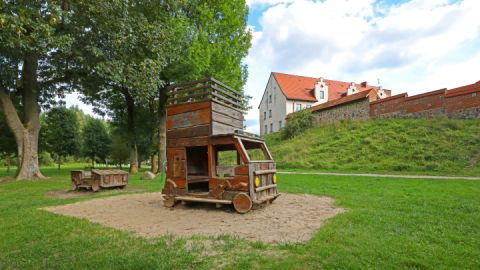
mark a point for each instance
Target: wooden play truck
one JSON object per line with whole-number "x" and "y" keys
{"x": 209, "y": 156}
{"x": 97, "y": 179}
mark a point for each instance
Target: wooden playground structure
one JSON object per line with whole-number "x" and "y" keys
{"x": 209, "y": 156}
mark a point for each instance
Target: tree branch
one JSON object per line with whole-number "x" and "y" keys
{"x": 11, "y": 115}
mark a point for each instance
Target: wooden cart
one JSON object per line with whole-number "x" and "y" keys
{"x": 209, "y": 156}
{"x": 97, "y": 179}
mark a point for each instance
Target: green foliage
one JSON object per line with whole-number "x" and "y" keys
{"x": 431, "y": 146}
{"x": 96, "y": 140}
{"x": 45, "y": 159}
{"x": 62, "y": 133}
{"x": 297, "y": 123}
{"x": 8, "y": 145}
{"x": 119, "y": 151}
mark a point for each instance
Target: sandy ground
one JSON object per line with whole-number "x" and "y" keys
{"x": 67, "y": 194}
{"x": 291, "y": 218}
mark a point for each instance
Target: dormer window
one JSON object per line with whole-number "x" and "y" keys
{"x": 322, "y": 94}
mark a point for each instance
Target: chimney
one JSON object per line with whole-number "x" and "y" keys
{"x": 364, "y": 84}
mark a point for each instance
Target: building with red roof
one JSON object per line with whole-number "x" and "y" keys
{"x": 287, "y": 93}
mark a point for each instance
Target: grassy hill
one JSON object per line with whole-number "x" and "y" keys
{"x": 425, "y": 146}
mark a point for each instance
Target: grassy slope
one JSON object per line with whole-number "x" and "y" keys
{"x": 390, "y": 224}
{"x": 426, "y": 146}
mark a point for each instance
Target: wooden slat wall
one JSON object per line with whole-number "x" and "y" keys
{"x": 225, "y": 120}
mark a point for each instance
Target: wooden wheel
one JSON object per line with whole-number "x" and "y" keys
{"x": 74, "y": 186}
{"x": 242, "y": 203}
{"x": 169, "y": 202}
{"x": 95, "y": 186}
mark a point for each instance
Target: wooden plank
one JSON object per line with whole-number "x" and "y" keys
{"x": 189, "y": 119}
{"x": 241, "y": 170}
{"x": 265, "y": 187}
{"x": 179, "y": 85}
{"x": 187, "y": 90}
{"x": 226, "y": 86}
{"x": 226, "y": 110}
{"x": 260, "y": 172}
{"x": 251, "y": 178}
{"x": 194, "y": 199}
{"x": 197, "y": 131}
{"x": 219, "y": 128}
{"x": 227, "y": 100}
{"x": 211, "y": 161}
{"x": 185, "y": 142}
{"x": 181, "y": 108}
{"x": 227, "y": 120}
{"x": 241, "y": 150}
{"x": 227, "y": 93}
{"x": 190, "y": 98}
{"x": 239, "y": 183}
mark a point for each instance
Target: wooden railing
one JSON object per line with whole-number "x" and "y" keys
{"x": 205, "y": 89}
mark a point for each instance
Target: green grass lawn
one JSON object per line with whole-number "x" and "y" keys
{"x": 399, "y": 146}
{"x": 390, "y": 224}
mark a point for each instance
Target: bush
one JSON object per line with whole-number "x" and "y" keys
{"x": 45, "y": 159}
{"x": 297, "y": 123}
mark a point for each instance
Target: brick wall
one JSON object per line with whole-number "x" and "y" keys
{"x": 358, "y": 109}
{"x": 393, "y": 106}
{"x": 462, "y": 102}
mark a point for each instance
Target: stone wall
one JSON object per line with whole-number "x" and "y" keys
{"x": 358, "y": 109}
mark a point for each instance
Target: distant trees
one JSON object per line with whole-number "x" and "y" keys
{"x": 96, "y": 140}
{"x": 62, "y": 133}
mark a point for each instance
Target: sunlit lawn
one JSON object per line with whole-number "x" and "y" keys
{"x": 390, "y": 224}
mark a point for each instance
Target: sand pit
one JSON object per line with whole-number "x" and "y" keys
{"x": 291, "y": 218}
{"x": 68, "y": 194}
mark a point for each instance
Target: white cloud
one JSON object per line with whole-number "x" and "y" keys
{"x": 409, "y": 46}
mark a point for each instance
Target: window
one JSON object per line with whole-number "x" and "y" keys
{"x": 264, "y": 115}
{"x": 266, "y": 129}
{"x": 270, "y": 113}
{"x": 322, "y": 94}
{"x": 271, "y": 127}
{"x": 298, "y": 107}
{"x": 280, "y": 124}
{"x": 308, "y": 106}
{"x": 270, "y": 98}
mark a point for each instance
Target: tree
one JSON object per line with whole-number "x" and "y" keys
{"x": 217, "y": 41}
{"x": 119, "y": 151}
{"x": 95, "y": 140}
{"x": 35, "y": 41}
{"x": 126, "y": 47}
{"x": 62, "y": 133}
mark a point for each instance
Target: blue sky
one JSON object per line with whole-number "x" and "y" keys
{"x": 412, "y": 46}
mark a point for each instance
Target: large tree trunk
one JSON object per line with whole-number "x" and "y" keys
{"x": 132, "y": 136}
{"x": 26, "y": 133}
{"x": 162, "y": 130}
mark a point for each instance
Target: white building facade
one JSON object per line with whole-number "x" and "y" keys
{"x": 286, "y": 93}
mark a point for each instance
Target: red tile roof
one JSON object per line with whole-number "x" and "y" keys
{"x": 301, "y": 88}
{"x": 344, "y": 100}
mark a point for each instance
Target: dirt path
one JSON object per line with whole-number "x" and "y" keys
{"x": 291, "y": 218}
{"x": 389, "y": 175}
